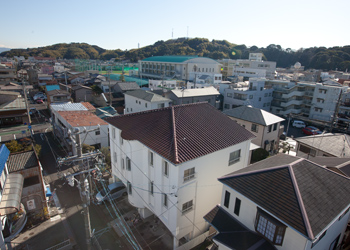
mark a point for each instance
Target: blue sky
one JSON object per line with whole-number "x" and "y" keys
{"x": 125, "y": 24}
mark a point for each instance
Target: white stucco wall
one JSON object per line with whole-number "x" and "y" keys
{"x": 133, "y": 104}
{"x": 204, "y": 189}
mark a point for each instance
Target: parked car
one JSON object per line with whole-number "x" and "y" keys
{"x": 39, "y": 101}
{"x": 298, "y": 124}
{"x": 310, "y": 130}
{"x": 114, "y": 191}
{"x": 39, "y": 96}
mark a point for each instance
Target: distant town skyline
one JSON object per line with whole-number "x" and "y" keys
{"x": 129, "y": 24}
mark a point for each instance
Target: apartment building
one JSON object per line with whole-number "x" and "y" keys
{"x": 317, "y": 101}
{"x": 170, "y": 160}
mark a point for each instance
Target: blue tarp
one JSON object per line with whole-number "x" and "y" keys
{"x": 4, "y": 155}
{"x": 48, "y": 192}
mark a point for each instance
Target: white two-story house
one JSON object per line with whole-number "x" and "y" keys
{"x": 170, "y": 158}
{"x": 141, "y": 100}
{"x": 264, "y": 125}
{"x": 282, "y": 202}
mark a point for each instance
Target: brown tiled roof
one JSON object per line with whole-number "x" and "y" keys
{"x": 302, "y": 194}
{"x": 182, "y": 133}
{"x": 88, "y": 106}
{"x": 22, "y": 160}
{"x": 81, "y": 118}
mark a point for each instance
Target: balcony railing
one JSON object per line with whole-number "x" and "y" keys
{"x": 189, "y": 177}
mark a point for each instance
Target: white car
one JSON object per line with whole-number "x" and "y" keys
{"x": 112, "y": 192}
{"x": 298, "y": 124}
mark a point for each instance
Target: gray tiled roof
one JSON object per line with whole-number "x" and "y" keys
{"x": 229, "y": 228}
{"x": 253, "y": 115}
{"x": 335, "y": 144}
{"x": 287, "y": 188}
{"x": 147, "y": 96}
{"x": 22, "y": 160}
{"x": 125, "y": 86}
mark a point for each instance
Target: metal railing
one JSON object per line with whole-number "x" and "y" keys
{"x": 63, "y": 245}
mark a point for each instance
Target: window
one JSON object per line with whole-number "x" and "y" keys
{"x": 166, "y": 168}
{"x": 254, "y": 128}
{"x": 121, "y": 138}
{"x": 259, "y": 99}
{"x": 128, "y": 164}
{"x": 227, "y": 199}
{"x": 146, "y": 105}
{"x": 269, "y": 227}
{"x": 115, "y": 156}
{"x": 136, "y": 101}
{"x": 113, "y": 133}
{"x": 151, "y": 187}
{"x": 97, "y": 132}
{"x": 187, "y": 206}
{"x": 237, "y": 206}
{"x": 161, "y": 105}
{"x": 318, "y": 110}
{"x": 274, "y": 127}
{"x": 189, "y": 174}
{"x": 123, "y": 164}
{"x": 151, "y": 158}
{"x": 322, "y": 91}
{"x": 234, "y": 157}
{"x": 129, "y": 188}
{"x": 165, "y": 200}
{"x": 320, "y": 100}
{"x": 269, "y": 128}
{"x": 30, "y": 181}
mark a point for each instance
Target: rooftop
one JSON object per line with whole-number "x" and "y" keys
{"x": 81, "y": 118}
{"x": 253, "y": 115}
{"x": 183, "y": 132}
{"x": 286, "y": 187}
{"x": 195, "y": 92}
{"x": 67, "y": 106}
{"x": 22, "y": 160}
{"x": 174, "y": 59}
{"x": 337, "y": 145}
{"x": 147, "y": 96}
{"x": 88, "y": 106}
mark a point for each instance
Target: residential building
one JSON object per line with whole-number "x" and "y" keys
{"x": 169, "y": 160}
{"x": 315, "y": 101}
{"x": 252, "y": 93}
{"x": 69, "y": 116}
{"x": 329, "y": 145}
{"x": 81, "y": 93}
{"x": 69, "y": 121}
{"x": 142, "y": 100}
{"x": 34, "y": 189}
{"x": 6, "y": 73}
{"x": 186, "y": 96}
{"x": 186, "y": 68}
{"x": 12, "y": 109}
{"x": 252, "y": 67}
{"x": 12, "y": 212}
{"x": 282, "y": 202}
{"x": 264, "y": 125}
{"x": 58, "y": 96}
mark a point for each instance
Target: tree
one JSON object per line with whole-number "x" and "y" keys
{"x": 107, "y": 155}
{"x": 122, "y": 78}
{"x": 86, "y": 148}
{"x": 259, "y": 154}
{"x": 96, "y": 89}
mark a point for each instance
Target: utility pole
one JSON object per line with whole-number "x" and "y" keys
{"x": 335, "y": 115}
{"x": 27, "y": 106}
{"x": 84, "y": 181}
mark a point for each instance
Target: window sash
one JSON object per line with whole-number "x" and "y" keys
{"x": 227, "y": 199}
{"x": 166, "y": 169}
{"x": 128, "y": 164}
{"x": 189, "y": 174}
{"x": 165, "y": 200}
{"x": 151, "y": 187}
{"x": 187, "y": 206}
{"x": 234, "y": 157}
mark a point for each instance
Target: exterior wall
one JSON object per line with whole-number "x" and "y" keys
{"x": 247, "y": 216}
{"x": 161, "y": 84}
{"x": 202, "y": 189}
{"x": 193, "y": 99}
{"x": 134, "y": 104}
{"x": 83, "y": 95}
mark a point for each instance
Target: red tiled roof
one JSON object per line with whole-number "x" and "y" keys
{"x": 88, "y": 106}
{"x": 81, "y": 118}
{"x": 182, "y": 133}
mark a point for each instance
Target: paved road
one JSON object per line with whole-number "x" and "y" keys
{"x": 69, "y": 198}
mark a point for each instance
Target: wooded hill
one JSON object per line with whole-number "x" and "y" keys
{"x": 315, "y": 57}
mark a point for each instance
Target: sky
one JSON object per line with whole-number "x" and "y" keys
{"x": 125, "y": 25}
